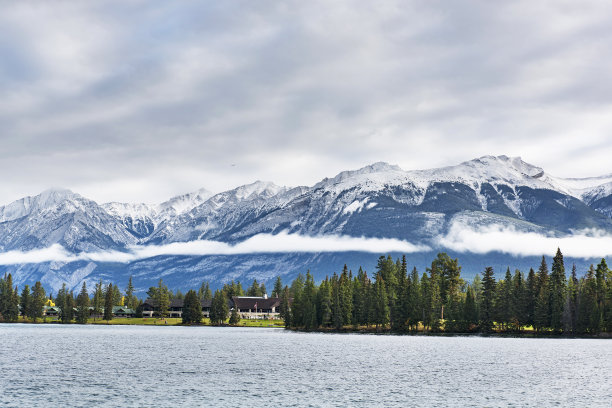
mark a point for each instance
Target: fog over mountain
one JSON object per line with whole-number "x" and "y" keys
{"x": 494, "y": 208}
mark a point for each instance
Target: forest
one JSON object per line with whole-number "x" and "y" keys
{"x": 394, "y": 300}
{"x": 439, "y": 300}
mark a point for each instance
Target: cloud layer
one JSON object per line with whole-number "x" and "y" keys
{"x": 262, "y": 243}
{"x": 136, "y": 101}
{"x": 460, "y": 239}
{"x": 498, "y": 238}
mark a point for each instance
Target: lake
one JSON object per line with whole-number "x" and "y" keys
{"x": 55, "y": 365}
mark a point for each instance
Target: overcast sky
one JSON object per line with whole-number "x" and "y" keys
{"x": 139, "y": 101}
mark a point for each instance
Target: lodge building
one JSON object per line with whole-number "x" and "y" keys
{"x": 249, "y": 307}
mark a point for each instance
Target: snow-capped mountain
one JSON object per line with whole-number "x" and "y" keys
{"x": 142, "y": 219}
{"x": 379, "y": 200}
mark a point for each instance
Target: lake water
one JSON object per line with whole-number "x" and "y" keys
{"x": 57, "y": 366}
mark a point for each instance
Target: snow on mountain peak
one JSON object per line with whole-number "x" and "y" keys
{"x": 258, "y": 189}
{"x": 185, "y": 202}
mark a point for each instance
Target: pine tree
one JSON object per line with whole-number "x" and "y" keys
{"x": 503, "y": 303}
{"x": 557, "y": 292}
{"x": 542, "y": 302}
{"x": 69, "y": 307}
{"x": 116, "y": 296}
{"x": 519, "y": 299}
{"x": 192, "y": 309}
{"x": 37, "y": 302}
{"x": 204, "y": 292}
{"x": 219, "y": 308}
{"x": 346, "y": 297}
{"x": 234, "y": 317}
{"x": 487, "y": 300}
{"x": 531, "y": 293}
{"x": 569, "y": 307}
{"x": 381, "y": 304}
{"x": 254, "y": 289}
{"x": 98, "y": 299}
{"x": 25, "y": 302}
{"x": 162, "y": 299}
{"x": 285, "y": 311}
{"x": 470, "y": 315}
{"x": 82, "y": 305}
{"x": 9, "y": 304}
{"x": 278, "y": 287}
{"x": 130, "y": 299}
{"x": 324, "y": 303}
{"x": 307, "y": 301}
{"x": 108, "y": 303}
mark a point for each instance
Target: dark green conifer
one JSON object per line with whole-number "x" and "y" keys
{"x": 108, "y": 303}
{"x": 192, "y": 309}
{"x": 487, "y": 300}
{"x": 82, "y": 305}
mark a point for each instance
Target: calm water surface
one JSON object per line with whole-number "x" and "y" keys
{"x": 57, "y": 366}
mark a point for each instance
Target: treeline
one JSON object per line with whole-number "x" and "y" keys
{"x": 81, "y": 306}
{"x": 439, "y": 300}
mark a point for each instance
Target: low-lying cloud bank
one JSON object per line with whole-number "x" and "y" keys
{"x": 262, "y": 243}
{"x": 509, "y": 240}
{"x": 460, "y": 239}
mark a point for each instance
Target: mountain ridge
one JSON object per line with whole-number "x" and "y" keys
{"x": 376, "y": 201}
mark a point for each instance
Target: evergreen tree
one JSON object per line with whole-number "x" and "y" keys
{"x": 130, "y": 299}
{"x": 414, "y": 300}
{"x": 470, "y": 315}
{"x": 307, "y": 301}
{"x": 117, "y": 296}
{"x": 82, "y": 305}
{"x": 531, "y": 293}
{"x": 98, "y": 299}
{"x": 381, "y": 304}
{"x": 324, "y": 303}
{"x": 69, "y": 307}
{"x": 254, "y": 290}
{"x": 346, "y": 296}
{"x": 570, "y": 305}
{"x": 487, "y": 300}
{"x": 25, "y": 302}
{"x": 37, "y": 302}
{"x": 504, "y": 302}
{"x": 192, "y": 309}
{"x": 60, "y": 302}
{"x": 108, "y": 303}
{"x": 162, "y": 299}
{"x": 9, "y": 303}
{"x": 219, "y": 308}
{"x": 285, "y": 311}
{"x": 204, "y": 292}
{"x": 519, "y": 299}
{"x": 557, "y": 292}
{"x": 542, "y": 304}
{"x": 234, "y": 317}
{"x": 278, "y": 288}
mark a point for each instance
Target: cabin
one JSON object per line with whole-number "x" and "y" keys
{"x": 122, "y": 311}
{"x": 51, "y": 311}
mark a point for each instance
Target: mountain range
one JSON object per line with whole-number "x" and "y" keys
{"x": 377, "y": 201}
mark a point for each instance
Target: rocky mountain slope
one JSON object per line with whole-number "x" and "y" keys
{"x": 379, "y": 200}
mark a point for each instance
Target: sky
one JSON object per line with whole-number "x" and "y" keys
{"x": 138, "y": 101}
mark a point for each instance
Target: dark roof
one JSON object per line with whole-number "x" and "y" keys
{"x": 248, "y": 302}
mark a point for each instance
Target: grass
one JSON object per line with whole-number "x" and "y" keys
{"x": 169, "y": 321}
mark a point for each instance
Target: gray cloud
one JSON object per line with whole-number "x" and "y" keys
{"x": 137, "y": 101}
